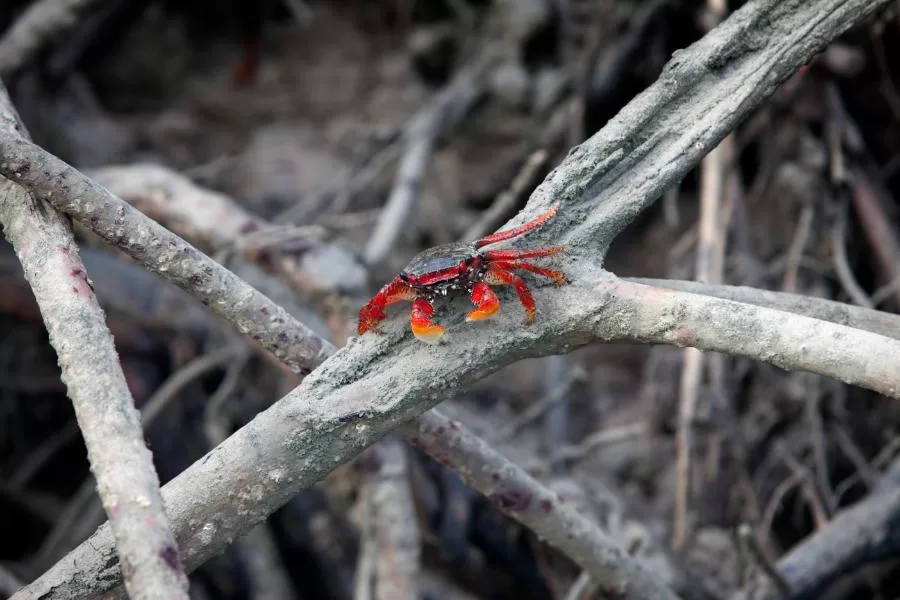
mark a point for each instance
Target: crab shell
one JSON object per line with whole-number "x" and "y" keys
{"x": 445, "y": 269}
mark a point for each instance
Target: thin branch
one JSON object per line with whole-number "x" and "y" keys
{"x": 41, "y": 22}
{"x": 162, "y": 252}
{"x": 503, "y": 205}
{"x": 420, "y": 139}
{"x": 104, "y": 408}
{"x": 874, "y": 321}
{"x": 525, "y": 499}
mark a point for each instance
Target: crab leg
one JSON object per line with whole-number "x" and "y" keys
{"x": 509, "y": 265}
{"x": 497, "y": 276}
{"x": 486, "y": 302}
{"x": 373, "y": 312}
{"x": 421, "y": 324}
{"x": 520, "y": 254}
{"x": 517, "y": 231}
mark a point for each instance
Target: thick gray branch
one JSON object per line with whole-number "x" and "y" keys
{"x": 120, "y": 461}
{"x": 373, "y": 385}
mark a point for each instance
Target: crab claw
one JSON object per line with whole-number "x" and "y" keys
{"x": 372, "y": 313}
{"x": 420, "y": 322}
{"x": 485, "y": 301}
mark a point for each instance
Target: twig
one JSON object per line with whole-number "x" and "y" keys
{"x": 807, "y": 480}
{"x": 709, "y": 265}
{"x": 60, "y": 534}
{"x": 104, "y": 408}
{"x": 555, "y": 394}
{"x": 420, "y": 139}
{"x": 752, "y": 545}
{"x": 365, "y": 563}
{"x": 525, "y": 499}
{"x": 375, "y": 383}
{"x": 599, "y": 439}
{"x": 41, "y": 22}
{"x": 39, "y": 457}
{"x": 505, "y": 202}
{"x": 795, "y": 252}
{"x": 558, "y": 416}
{"x": 821, "y": 480}
{"x": 268, "y": 575}
{"x": 580, "y": 587}
{"x": 392, "y": 513}
{"x": 182, "y": 377}
{"x": 842, "y": 265}
{"x": 778, "y": 494}
{"x": 878, "y": 227}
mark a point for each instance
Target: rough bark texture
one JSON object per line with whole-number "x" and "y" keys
{"x": 110, "y": 424}
{"x": 875, "y": 321}
{"x": 376, "y": 383}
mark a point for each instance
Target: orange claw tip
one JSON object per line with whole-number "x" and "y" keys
{"x": 482, "y": 314}
{"x": 430, "y": 334}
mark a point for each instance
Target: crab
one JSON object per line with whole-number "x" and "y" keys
{"x": 456, "y": 268}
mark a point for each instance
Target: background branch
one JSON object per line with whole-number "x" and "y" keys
{"x": 34, "y": 28}
{"x": 110, "y": 424}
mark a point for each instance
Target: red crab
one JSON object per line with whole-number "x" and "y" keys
{"x": 461, "y": 267}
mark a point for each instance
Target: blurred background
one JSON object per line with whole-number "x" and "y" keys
{"x": 270, "y": 134}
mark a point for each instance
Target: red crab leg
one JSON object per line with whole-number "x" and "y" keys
{"x": 485, "y": 301}
{"x": 421, "y": 324}
{"x": 509, "y": 265}
{"x": 517, "y": 254}
{"x": 497, "y": 276}
{"x": 517, "y": 231}
{"x": 373, "y": 312}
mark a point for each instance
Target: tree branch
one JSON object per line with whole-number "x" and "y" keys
{"x": 875, "y": 321}
{"x": 376, "y": 383}
{"x": 110, "y": 424}
{"x": 161, "y": 251}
